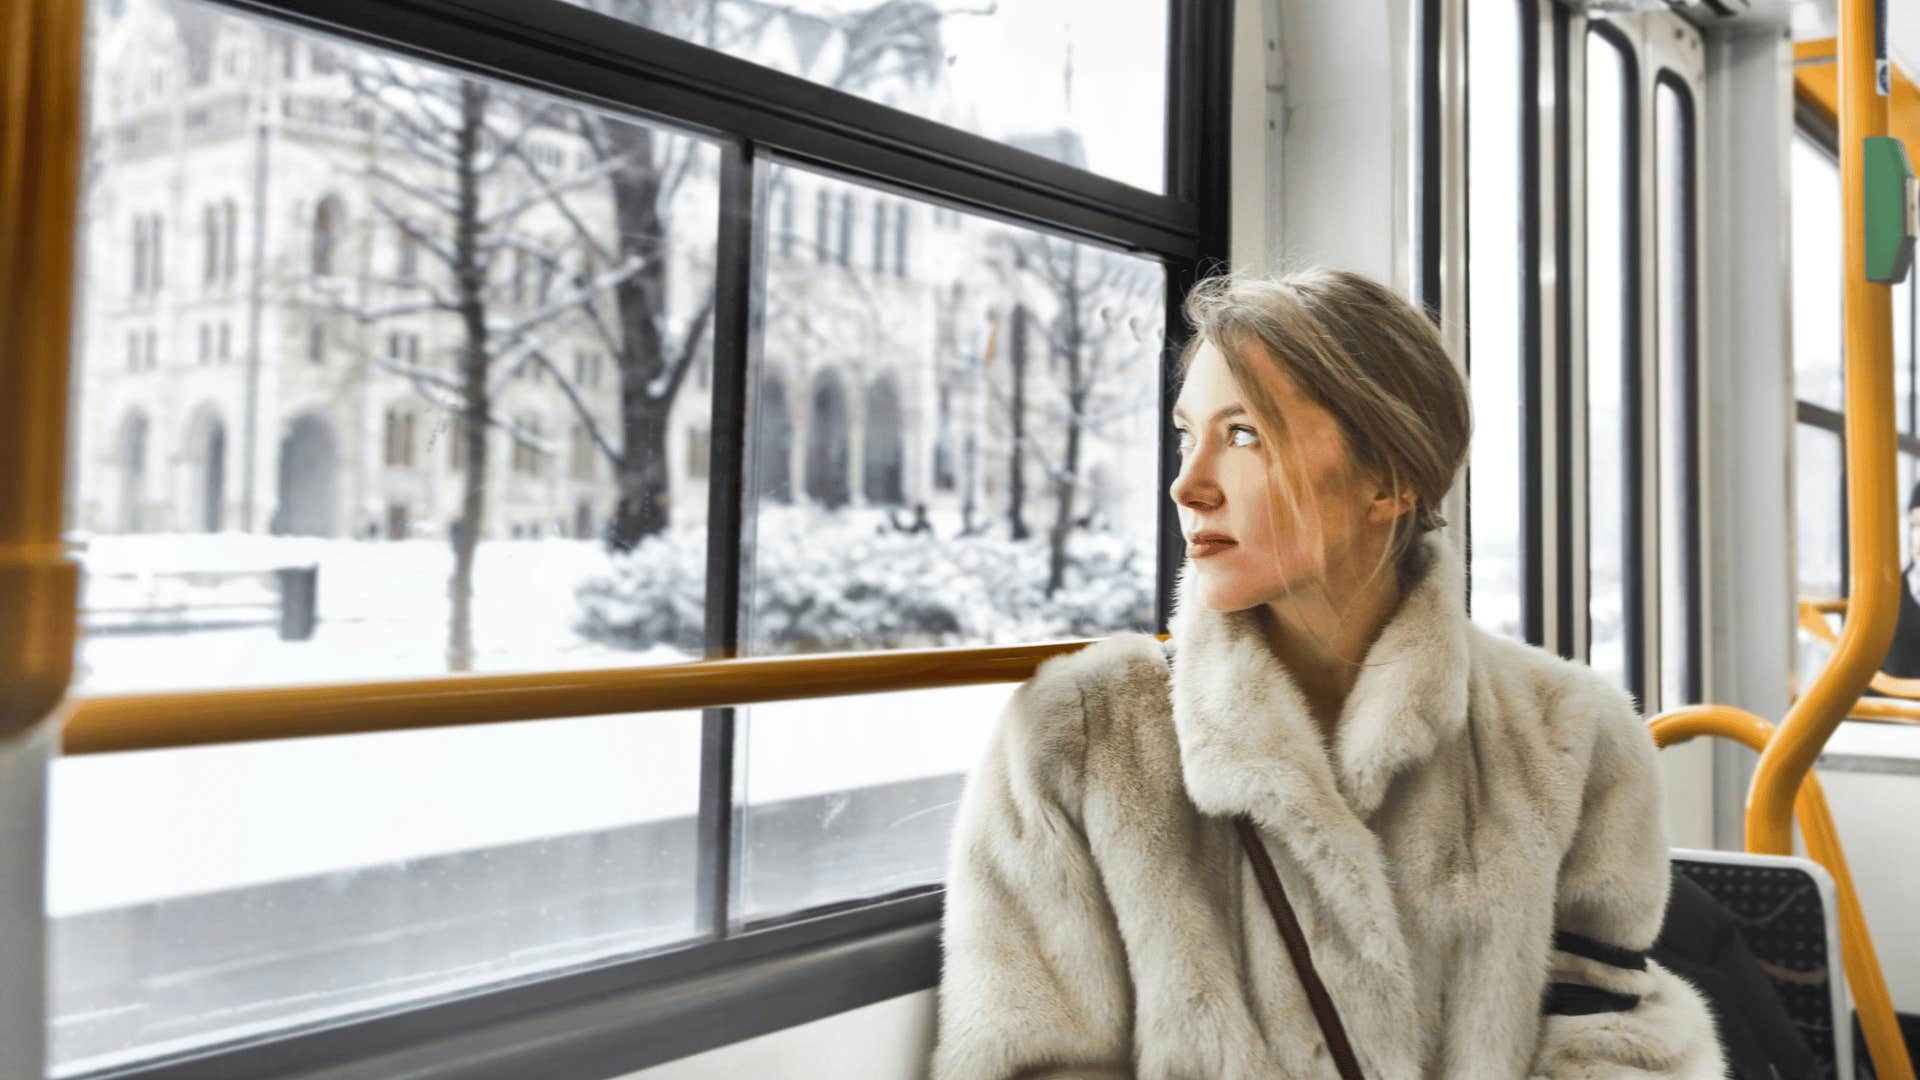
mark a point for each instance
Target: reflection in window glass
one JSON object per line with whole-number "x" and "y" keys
{"x": 251, "y": 893}
{"x": 1082, "y": 82}
{"x": 948, "y": 456}
{"x": 1817, "y": 370}
{"x": 855, "y": 797}
{"x": 1819, "y": 511}
{"x": 275, "y": 519}
{"x": 271, "y": 520}
{"x": 1678, "y": 366}
{"x": 1903, "y": 653}
{"x": 1903, "y": 403}
{"x": 1609, "y": 338}
{"x": 1495, "y": 525}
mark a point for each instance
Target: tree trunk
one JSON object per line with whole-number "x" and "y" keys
{"x": 642, "y": 475}
{"x": 1067, "y": 484}
{"x": 1065, "y": 488}
{"x": 1017, "y": 478}
{"x": 477, "y": 407}
{"x": 644, "y": 507}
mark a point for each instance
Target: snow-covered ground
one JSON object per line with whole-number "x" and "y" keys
{"x": 129, "y": 828}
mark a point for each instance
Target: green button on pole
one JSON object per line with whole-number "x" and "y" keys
{"x": 1890, "y": 211}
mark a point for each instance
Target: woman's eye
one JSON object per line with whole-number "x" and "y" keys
{"x": 1181, "y": 440}
{"x": 1238, "y": 430}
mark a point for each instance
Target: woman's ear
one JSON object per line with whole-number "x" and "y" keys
{"x": 1390, "y": 503}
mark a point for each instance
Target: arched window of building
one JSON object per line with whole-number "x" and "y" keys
{"x": 828, "y": 453}
{"x": 210, "y": 258}
{"x": 409, "y": 256}
{"x": 156, "y": 253}
{"x": 229, "y": 227}
{"x": 773, "y": 443}
{"x": 882, "y": 449}
{"x": 845, "y": 253}
{"x": 139, "y": 254}
{"x": 900, "y": 218}
{"x": 133, "y": 471}
{"x": 823, "y": 225}
{"x": 328, "y": 222}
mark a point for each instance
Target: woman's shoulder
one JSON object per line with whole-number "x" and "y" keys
{"x": 1550, "y": 688}
{"x": 1075, "y": 697}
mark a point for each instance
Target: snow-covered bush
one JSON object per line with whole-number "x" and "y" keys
{"x": 823, "y": 582}
{"x": 655, "y": 594}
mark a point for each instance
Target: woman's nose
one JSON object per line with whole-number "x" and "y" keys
{"x": 1194, "y": 487}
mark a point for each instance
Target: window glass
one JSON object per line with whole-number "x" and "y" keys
{"x": 1495, "y": 518}
{"x": 1819, "y": 513}
{"x": 252, "y": 894}
{"x": 1903, "y": 654}
{"x": 302, "y": 514}
{"x": 213, "y": 500}
{"x": 1817, "y": 370}
{"x": 1609, "y": 337}
{"x": 946, "y": 457}
{"x": 1678, "y": 368}
{"x": 1903, "y": 403}
{"x": 1083, "y": 82}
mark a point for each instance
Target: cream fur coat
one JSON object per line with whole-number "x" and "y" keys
{"x": 1478, "y": 865}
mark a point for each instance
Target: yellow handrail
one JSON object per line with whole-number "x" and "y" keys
{"x": 40, "y": 141}
{"x": 107, "y": 724}
{"x": 1874, "y": 565}
{"x": 1813, "y": 619}
{"x": 1871, "y": 1000}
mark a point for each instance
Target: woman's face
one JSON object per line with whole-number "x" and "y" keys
{"x": 1228, "y": 488}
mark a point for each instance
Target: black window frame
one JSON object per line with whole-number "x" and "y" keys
{"x": 743, "y": 980}
{"x": 1633, "y": 554}
{"x": 1692, "y": 681}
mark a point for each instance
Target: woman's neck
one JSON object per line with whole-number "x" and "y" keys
{"x": 1322, "y": 637}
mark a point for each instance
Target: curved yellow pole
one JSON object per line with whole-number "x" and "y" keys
{"x": 1813, "y": 619}
{"x": 1870, "y": 998}
{"x": 1873, "y": 535}
{"x": 40, "y": 140}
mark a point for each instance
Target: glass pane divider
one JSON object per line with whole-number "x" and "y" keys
{"x": 736, "y": 257}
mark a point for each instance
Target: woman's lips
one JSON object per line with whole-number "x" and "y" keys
{"x": 1200, "y": 549}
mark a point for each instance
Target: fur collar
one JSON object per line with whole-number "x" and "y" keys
{"x": 1247, "y": 736}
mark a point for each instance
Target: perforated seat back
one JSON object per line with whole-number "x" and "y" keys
{"x": 1786, "y": 911}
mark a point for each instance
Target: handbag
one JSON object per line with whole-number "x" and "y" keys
{"x": 1285, "y": 921}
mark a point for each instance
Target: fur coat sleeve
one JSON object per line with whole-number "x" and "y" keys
{"x": 1035, "y": 981}
{"x": 1609, "y": 1010}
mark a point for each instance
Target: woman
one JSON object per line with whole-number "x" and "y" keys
{"x": 1468, "y": 828}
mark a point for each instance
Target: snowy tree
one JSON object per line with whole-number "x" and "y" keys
{"x": 453, "y": 185}
{"x": 889, "y": 40}
{"x": 1094, "y": 377}
{"x": 469, "y": 176}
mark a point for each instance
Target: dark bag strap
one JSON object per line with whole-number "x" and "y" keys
{"x": 1289, "y": 926}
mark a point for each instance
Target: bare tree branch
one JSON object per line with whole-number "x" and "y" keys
{"x": 580, "y": 409}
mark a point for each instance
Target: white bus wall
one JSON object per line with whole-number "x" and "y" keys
{"x": 888, "y": 1040}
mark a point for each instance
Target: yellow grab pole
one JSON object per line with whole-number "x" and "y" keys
{"x": 40, "y": 142}
{"x": 1875, "y": 567}
{"x": 1871, "y": 1000}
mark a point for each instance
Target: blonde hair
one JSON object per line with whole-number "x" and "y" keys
{"x": 1360, "y": 351}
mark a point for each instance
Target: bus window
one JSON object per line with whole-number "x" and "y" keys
{"x": 1612, "y": 517}
{"x": 1495, "y": 523}
{"x": 1678, "y": 373}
